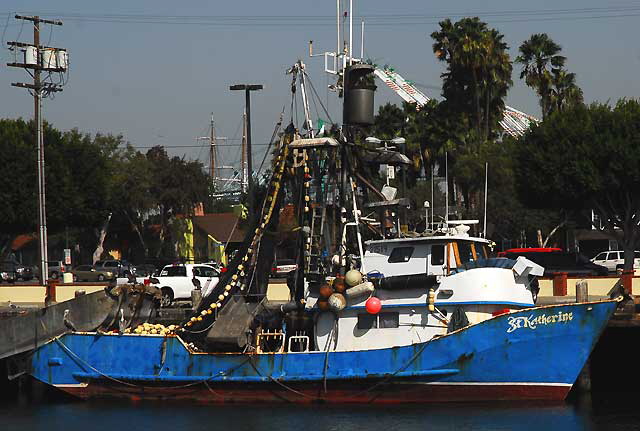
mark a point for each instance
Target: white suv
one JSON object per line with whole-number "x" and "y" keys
{"x": 175, "y": 281}
{"x": 614, "y": 260}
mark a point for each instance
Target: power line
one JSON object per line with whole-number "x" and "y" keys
{"x": 380, "y": 20}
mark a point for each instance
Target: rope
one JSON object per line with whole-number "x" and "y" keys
{"x": 319, "y": 99}
{"x": 273, "y": 136}
{"x": 84, "y": 364}
{"x": 363, "y": 392}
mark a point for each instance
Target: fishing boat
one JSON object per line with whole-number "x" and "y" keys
{"x": 388, "y": 320}
{"x": 466, "y": 333}
{"x": 372, "y": 313}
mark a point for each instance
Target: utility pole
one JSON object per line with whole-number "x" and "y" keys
{"x": 40, "y": 58}
{"x": 248, "y": 88}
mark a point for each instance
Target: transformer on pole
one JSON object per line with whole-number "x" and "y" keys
{"x": 38, "y": 58}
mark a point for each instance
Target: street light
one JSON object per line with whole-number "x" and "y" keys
{"x": 248, "y": 88}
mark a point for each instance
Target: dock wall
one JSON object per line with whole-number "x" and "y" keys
{"x": 562, "y": 285}
{"x": 36, "y": 295}
{"x": 559, "y": 285}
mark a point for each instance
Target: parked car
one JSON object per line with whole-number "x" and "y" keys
{"x": 121, "y": 268}
{"x": 216, "y": 265}
{"x": 55, "y": 269}
{"x": 573, "y": 263}
{"x": 282, "y": 267}
{"x": 613, "y": 260}
{"x": 175, "y": 281}
{"x": 11, "y": 271}
{"x": 89, "y": 273}
{"x": 146, "y": 270}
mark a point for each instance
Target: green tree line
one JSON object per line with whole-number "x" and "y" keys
{"x": 95, "y": 186}
{"x": 574, "y": 160}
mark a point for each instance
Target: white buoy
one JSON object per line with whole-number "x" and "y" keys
{"x": 353, "y": 278}
{"x": 337, "y": 302}
{"x": 361, "y": 289}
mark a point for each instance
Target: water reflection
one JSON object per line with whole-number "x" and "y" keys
{"x": 120, "y": 416}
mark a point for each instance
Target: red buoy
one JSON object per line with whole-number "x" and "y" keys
{"x": 373, "y": 305}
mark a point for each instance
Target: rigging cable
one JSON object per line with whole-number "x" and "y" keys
{"x": 273, "y": 136}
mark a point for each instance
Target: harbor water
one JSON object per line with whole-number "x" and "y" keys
{"x": 597, "y": 412}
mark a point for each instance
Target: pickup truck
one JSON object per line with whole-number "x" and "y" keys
{"x": 175, "y": 281}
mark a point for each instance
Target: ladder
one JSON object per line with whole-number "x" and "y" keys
{"x": 318, "y": 216}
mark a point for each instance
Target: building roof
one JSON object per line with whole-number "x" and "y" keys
{"x": 222, "y": 227}
{"x": 22, "y": 240}
{"x": 515, "y": 122}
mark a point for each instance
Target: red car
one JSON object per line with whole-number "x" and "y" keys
{"x": 283, "y": 267}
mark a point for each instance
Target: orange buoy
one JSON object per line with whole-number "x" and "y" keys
{"x": 323, "y": 304}
{"x": 326, "y": 291}
{"x": 339, "y": 286}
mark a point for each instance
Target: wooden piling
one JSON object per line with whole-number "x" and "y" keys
{"x": 582, "y": 291}
{"x": 627, "y": 280}
{"x": 584, "y": 379}
{"x": 196, "y": 298}
{"x": 559, "y": 284}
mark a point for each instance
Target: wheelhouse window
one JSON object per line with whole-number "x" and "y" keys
{"x": 367, "y": 321}
{"x": 400, "y": 255}
{"x": 480, "y": 250}
{"x": 437, "y": 254}
{"x": 388, "y": 320}
{"x": 464, "y": 251}
{"x": 380, "y": 320}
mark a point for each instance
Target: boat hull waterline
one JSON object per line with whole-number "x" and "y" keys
{"x": 531, "y": 354}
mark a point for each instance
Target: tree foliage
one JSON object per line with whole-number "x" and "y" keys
{"x": 587, "y": 158}
{"x": 478, "y": 73}
{"x": 543, "y": 70}
{"x": 89, "y": 180}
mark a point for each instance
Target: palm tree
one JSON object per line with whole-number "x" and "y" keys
{"x": 564, "y": 91}
{"x": 539, "y": 57}
{"x": 478, "y": 72}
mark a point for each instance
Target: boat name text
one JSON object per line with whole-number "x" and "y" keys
{"x": 531, "y": 322}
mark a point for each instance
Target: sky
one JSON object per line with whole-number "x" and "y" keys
{"x": 156, "y": 70}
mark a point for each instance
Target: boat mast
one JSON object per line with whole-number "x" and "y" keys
{"x": 362, "y": 41}
{"x": 305, "y": 101}
{"x": 486, "y": 179}
{"x": 350, "y": 32}
{"x": 339, "y": 46}
{"x": 446, "y": 189}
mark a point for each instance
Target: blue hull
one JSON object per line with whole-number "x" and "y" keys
{"x": 531, "y": 354}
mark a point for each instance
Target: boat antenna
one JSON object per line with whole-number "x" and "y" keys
{"x": 446, "y": 189}
{"x": 338, "y": 48}
{"x": 362, "y": 41}
{"x": 432, "y": 201}
{"x": 350, "y": 32}
{"x": 486, "y": 178}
